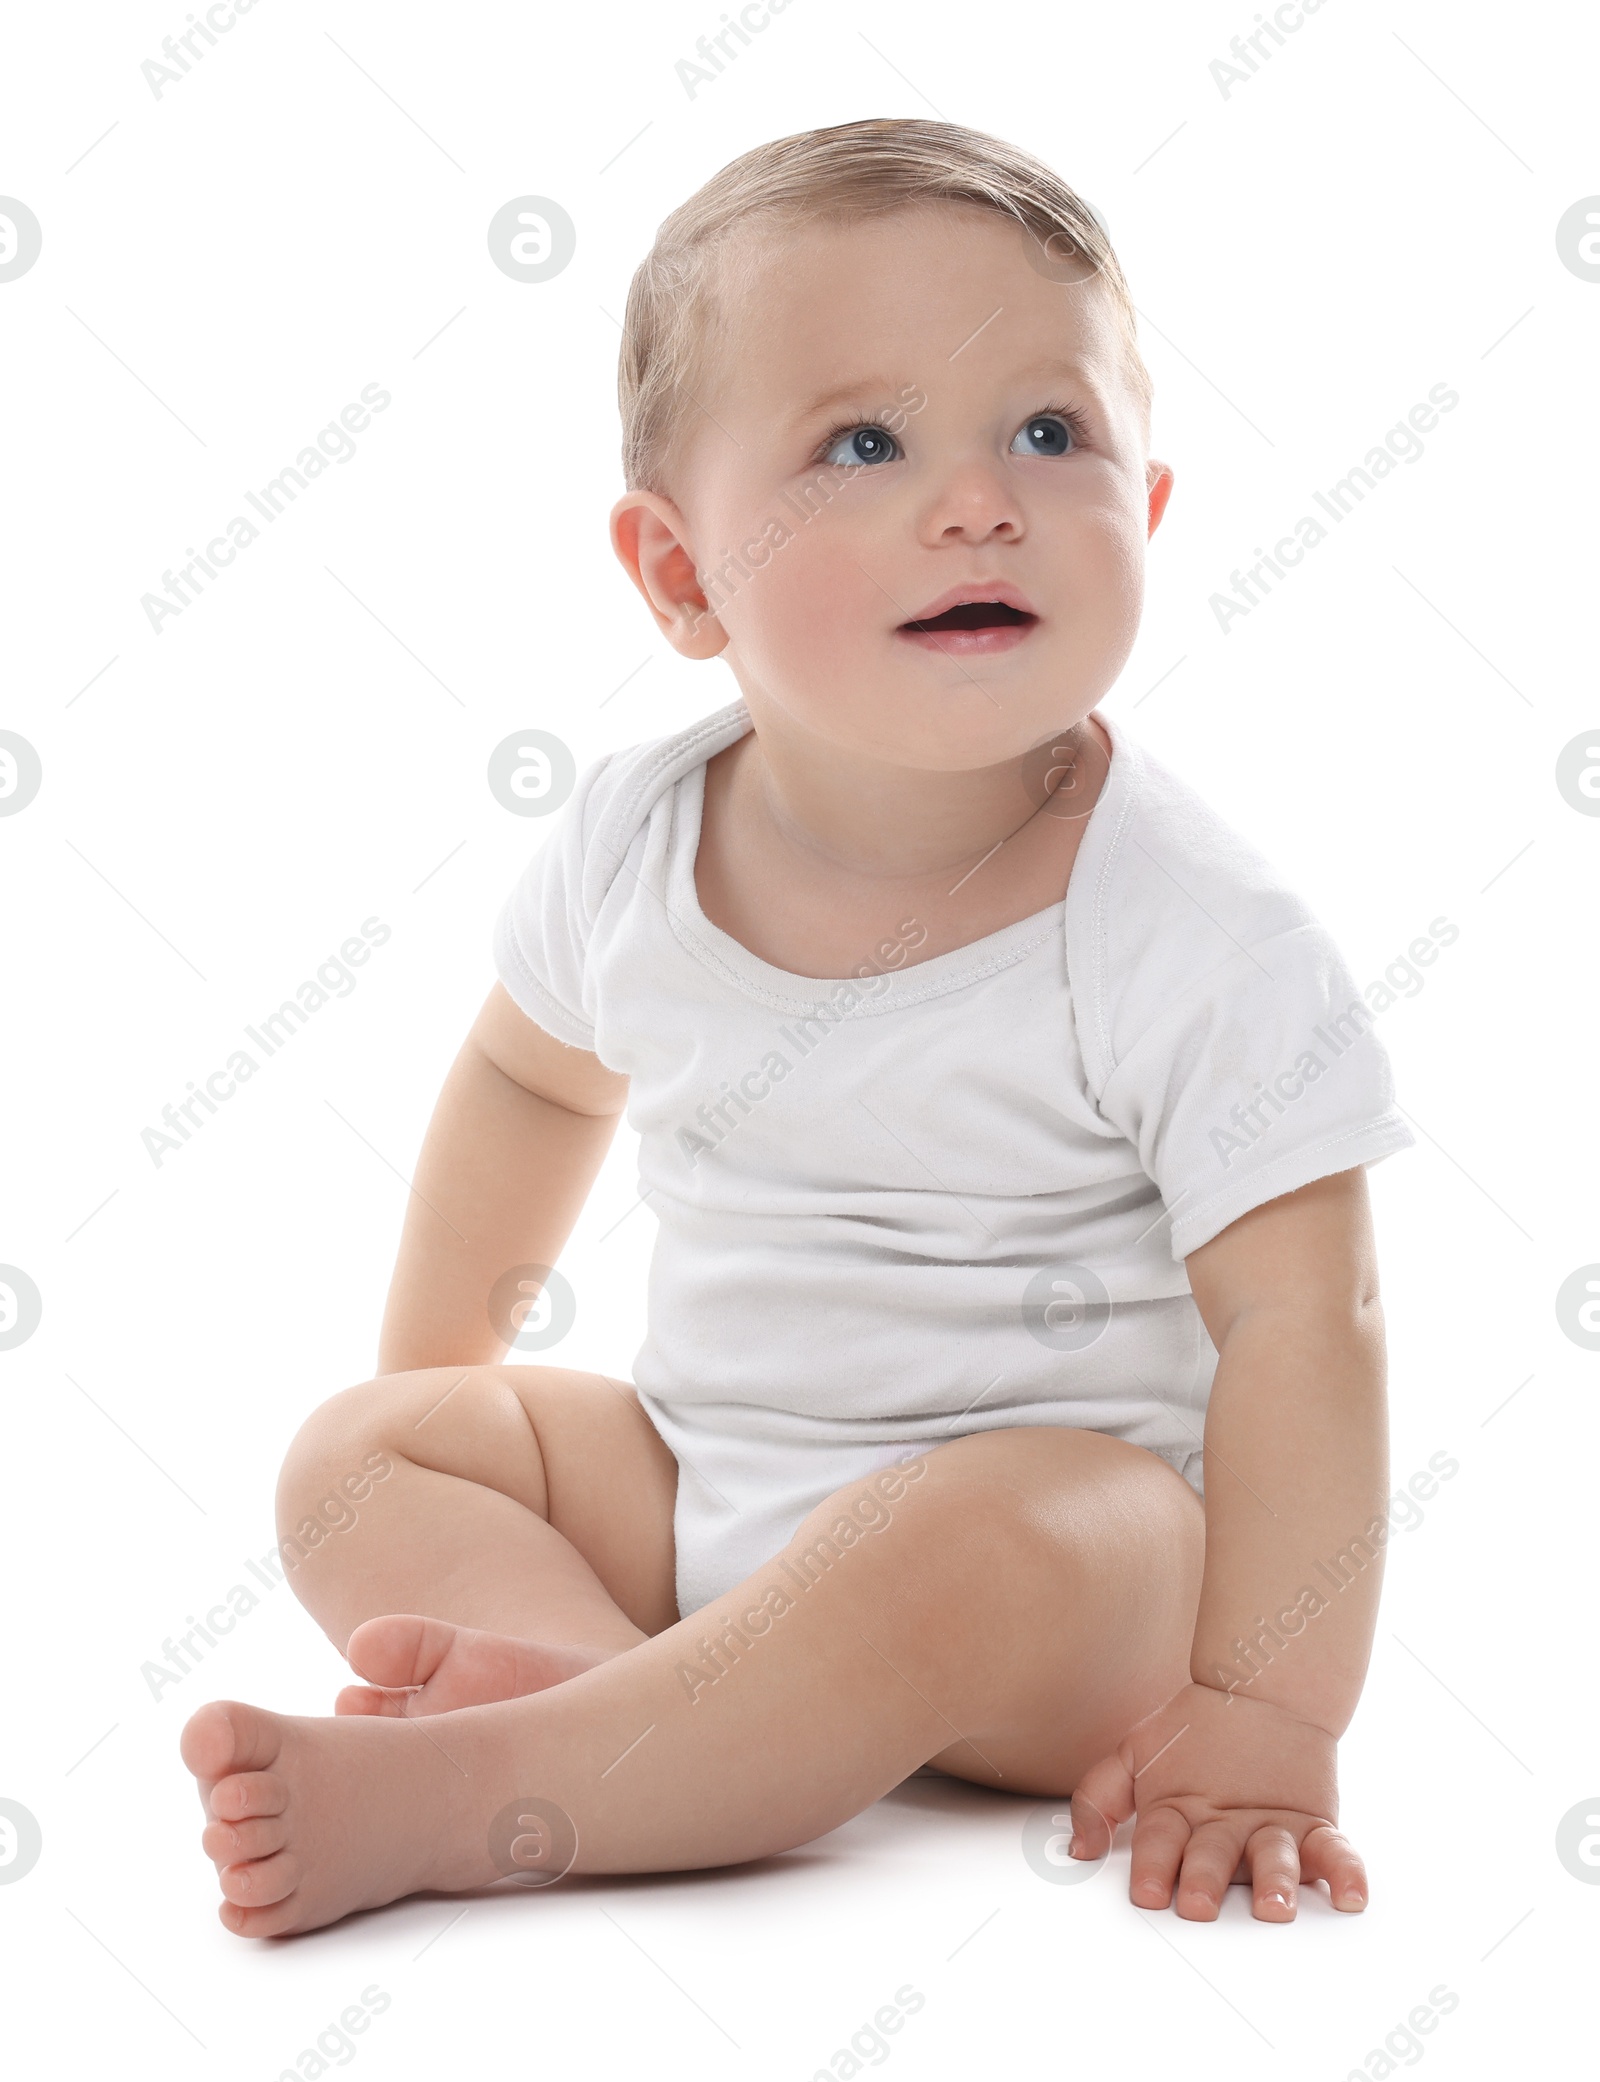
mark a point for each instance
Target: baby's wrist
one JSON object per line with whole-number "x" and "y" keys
{"x": 1233, "y": 1692}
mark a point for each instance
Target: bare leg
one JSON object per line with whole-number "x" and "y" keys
{"x": 529, "y": 1502}
{"x": 1027, "y": 1597}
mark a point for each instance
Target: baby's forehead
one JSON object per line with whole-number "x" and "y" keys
{"x": 822, "y": 304}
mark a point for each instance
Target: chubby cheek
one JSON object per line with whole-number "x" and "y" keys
{"x": 806, "y": 623}
{"x": 1098, "y": 588}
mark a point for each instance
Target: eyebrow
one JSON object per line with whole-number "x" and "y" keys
{"x": 848, "y": 393}
{"x": 855, "y": 389}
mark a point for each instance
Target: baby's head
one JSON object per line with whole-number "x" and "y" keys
{"x": 868, "y": 371}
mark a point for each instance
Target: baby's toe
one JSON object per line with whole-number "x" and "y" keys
{"x": 233, "y": 1843}
{"x": 248, "y": 1794}
{"x": 399, "y": 1649}
{"x": 260, "y": 1922}
{"x": 371, "y": 1698}
{"x": 262, "y": 1881}
{"x": 226, "y": 1737}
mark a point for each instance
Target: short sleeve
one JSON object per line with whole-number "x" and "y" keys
{"x": 1260, "y": 1076}
{"x": 541, "y": 936}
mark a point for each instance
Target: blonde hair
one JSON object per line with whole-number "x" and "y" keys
{"x": 852, "y": 171}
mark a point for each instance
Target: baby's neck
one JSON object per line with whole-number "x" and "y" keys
{"x": 816, "y": 874}
{"x": 866, "y": 818}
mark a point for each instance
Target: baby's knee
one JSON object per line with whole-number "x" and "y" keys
{"x": 344, "y": 1447}
{"x": 428, "y": 1416}
{"x": 345, "y": 1439}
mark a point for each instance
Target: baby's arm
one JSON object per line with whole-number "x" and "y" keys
{"x": 1235, "y": 1776}
{"x": 1289, "y": 1294}
{"x": 521, "y": 1126}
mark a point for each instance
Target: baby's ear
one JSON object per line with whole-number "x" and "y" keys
{"x": 1158, "y": 483}
{"x": 650, "y": 537}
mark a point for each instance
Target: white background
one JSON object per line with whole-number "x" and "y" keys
{"x": 223, "y": 268}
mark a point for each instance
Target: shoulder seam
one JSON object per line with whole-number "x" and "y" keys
{"x": 621, "y": 819}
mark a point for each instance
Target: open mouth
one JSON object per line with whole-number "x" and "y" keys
{"x": 973, "y": 614}
{"x": 970, "y": 629}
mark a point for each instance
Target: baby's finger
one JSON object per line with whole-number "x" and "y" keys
{"x": 1102, "y": 1798}
{"x": 1158, "y": 1845}
{"x": 1274, "y": 1861}
{"x": 1326, "y": 1855}
{"x": 1209, "y": 1865}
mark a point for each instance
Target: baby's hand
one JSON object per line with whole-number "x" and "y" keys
{"x": 1227, "y": 1788}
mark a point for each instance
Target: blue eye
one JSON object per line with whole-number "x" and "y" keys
{"x": 1045, "y": 435}
{"x": 862, "y": 444}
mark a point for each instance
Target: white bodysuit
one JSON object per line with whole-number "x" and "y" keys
{"x": 946, "y": 1195}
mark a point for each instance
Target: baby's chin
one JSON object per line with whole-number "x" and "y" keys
{"x": 948, "y": 724}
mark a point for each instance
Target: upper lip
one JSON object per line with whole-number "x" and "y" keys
{"x": 962, "y": 596}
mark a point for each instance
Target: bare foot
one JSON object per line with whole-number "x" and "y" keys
{"x": 314, "y": 1819}
{"x": 419, "y": 1666}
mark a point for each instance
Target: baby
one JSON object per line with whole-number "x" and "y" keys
{"x": 1012, "y": 1403}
